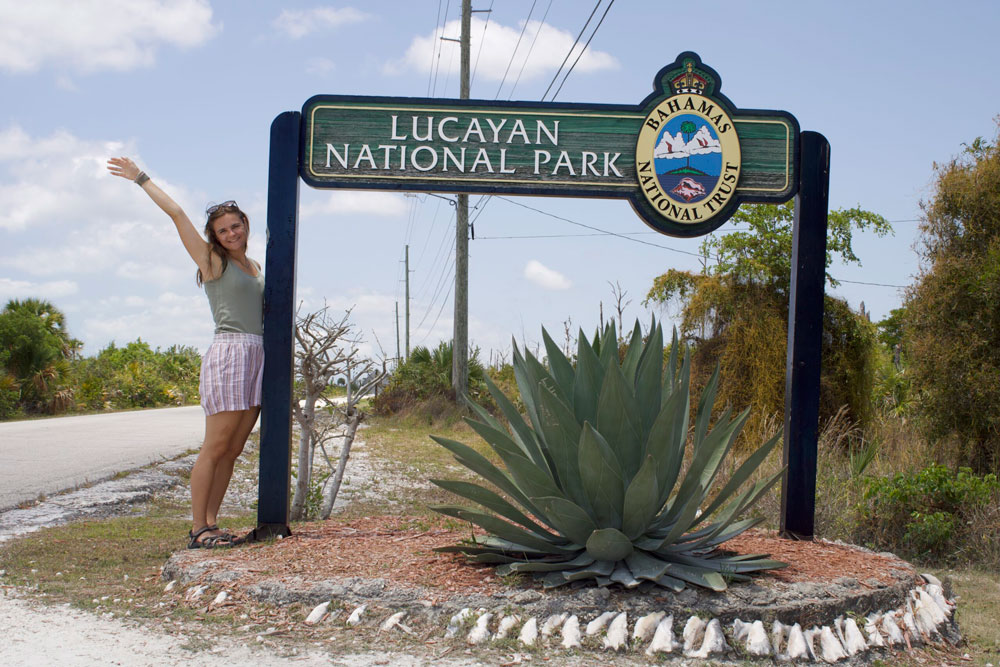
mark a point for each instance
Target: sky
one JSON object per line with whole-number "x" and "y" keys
{"x": 188, "y": 89}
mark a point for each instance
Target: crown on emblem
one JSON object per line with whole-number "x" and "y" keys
{"x": 689, "y": 81}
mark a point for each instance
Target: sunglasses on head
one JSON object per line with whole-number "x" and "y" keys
{"x": 224, "y": 205}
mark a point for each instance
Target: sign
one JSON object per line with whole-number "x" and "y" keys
{"x": 684, "y": 157}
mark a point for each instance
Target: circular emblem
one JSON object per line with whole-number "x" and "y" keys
{"x": 688, "y": 158}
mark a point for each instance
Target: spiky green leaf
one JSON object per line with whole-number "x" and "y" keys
{"x": 490, "y": 500}
{"x": 648, "y": 380}
{"x": 600, "y": 568}
{"x": 645, "y": 566}
{"x": 561, "y": 434}
{"x": 512, "y": 533}
{"x": 480, "y": 465}
{"x": 632, "y": 354}
{"x": 560, "y": 366}
{"x": 618, "y": 420}
{"x": 609, "y": 544}
{"x": 601, "y": 477}
{"x": 641, "y": 500}
{"x": 568, "y": 517}
{"x": 587, "y": 383}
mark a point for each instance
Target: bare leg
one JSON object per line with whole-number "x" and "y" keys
{"x": 224, "y": 471}
{"x": 219, "y": 429}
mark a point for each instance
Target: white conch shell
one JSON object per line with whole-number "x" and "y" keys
{"x": 456, "y": 622}
{"x": 663, "y": 638}
{"x": 571, "y": 632}
{"x": 875, "y": 639}
{"x": 507, "y": 623}
{"x": 355, "y": 616}
{"x": 778, "y": 630}
{"x": 893, "y": 635}
{"x": 937, "y": 593}
{"x": 810, "y": 636}
{"x": 646, "y": 626}
{"x": 757, "y": 644}
{"x": 392, "y": 621}
{"x": 481, "y": 631}
{"x": 529, "y": 632}
{"x": 694, "y": 633}
{"x": 552, "y": 623}
{"x": 715, "y": 640}
{"x": 617, "y": 633}
{"x": 832, "y": 649}
{"x": 854, "y": 641}
{"x": 798, "y": 647}
{"x": 936, "y": 613}
{"x": 316, "y": 615}
{"x": 600, "y": 622}
{"x": 740, "y": 630}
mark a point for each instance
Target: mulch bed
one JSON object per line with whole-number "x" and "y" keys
{"x": 389, "y": 547}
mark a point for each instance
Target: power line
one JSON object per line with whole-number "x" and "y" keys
{"x": 530, "y": 49}
{"x": 858, "y": 282}
{"x": 516, "y": 46}
{"x": 443, "y": 304}
{"x": 570, "y": 52}
{"x": 597, "y": 229}
{"x": 482, "y": 40}
{"x": 430, "y": 73}
{"x": 583, "y": 50}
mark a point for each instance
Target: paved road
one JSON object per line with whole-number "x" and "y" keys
{"x": 51, "y": 455}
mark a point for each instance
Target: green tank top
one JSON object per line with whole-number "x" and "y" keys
{"x": 237, "y": 301}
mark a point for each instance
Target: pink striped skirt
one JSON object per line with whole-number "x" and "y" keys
{"x": 231, "y": 373}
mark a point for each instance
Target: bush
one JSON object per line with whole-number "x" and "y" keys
{"x": 931, "y": 514}
{"x": 951, "y": 316}
{"x": 427, "y": 374}
{"x": 135, "y": 376}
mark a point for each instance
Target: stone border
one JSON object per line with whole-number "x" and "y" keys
{"x": 829, "y": 622}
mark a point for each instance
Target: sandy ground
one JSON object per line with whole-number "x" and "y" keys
{"x": 36, "y": 634}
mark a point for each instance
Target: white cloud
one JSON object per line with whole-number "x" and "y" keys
{"x": 164, "y": 320}
{"x": 494, "y": 55}
{"x": 62, "y": 214}
{"x": 320, "y": 66}
{"x": 20, "y": 289}
{"x": 91, "y": 36}
{"x": 297, "y": 23}
{"x": 348, "y": 202}
{"x": 545, "y": 277}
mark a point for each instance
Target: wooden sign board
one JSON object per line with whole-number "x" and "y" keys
{"x": 684, "y": 157}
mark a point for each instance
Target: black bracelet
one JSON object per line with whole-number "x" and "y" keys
{"x": 141, "y": 178}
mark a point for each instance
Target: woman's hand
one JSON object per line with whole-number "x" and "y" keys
{"x": 124, "y": 167}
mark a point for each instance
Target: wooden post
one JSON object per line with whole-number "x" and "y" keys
{"x": 279, "y": 324}
{"x": 406, "y": 267}
{"x": 805, "y": 338}
{"x": 460, "y": 339}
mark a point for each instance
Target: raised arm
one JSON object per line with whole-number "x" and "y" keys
{"x": 196, "y": 246}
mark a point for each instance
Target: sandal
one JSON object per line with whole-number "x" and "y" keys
{"x": 233, "y": 537}
{"x": 210, "y": 542}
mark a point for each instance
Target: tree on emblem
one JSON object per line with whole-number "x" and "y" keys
{"x": 688, "y": 128}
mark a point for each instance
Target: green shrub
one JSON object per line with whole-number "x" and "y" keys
{"x": 10, "y": 392}
{"x": 425, "y": 375}
{"x": 928, "y": 514}
{"x": 136, "y": 376}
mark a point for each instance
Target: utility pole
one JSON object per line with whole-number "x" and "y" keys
{"x": 397, "y": 334}
{"x": 407, "y": 267}
{"x": 460, "y": 342}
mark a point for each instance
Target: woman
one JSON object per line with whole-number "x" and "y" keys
{"x": 231, "y": 370}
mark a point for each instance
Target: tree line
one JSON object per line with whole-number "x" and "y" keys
{"x": 42, "y": 370}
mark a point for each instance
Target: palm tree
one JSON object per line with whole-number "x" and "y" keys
{"x": 688, "y": 128}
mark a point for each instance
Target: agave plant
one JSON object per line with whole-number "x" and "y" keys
{"x": 592, "y": 485}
